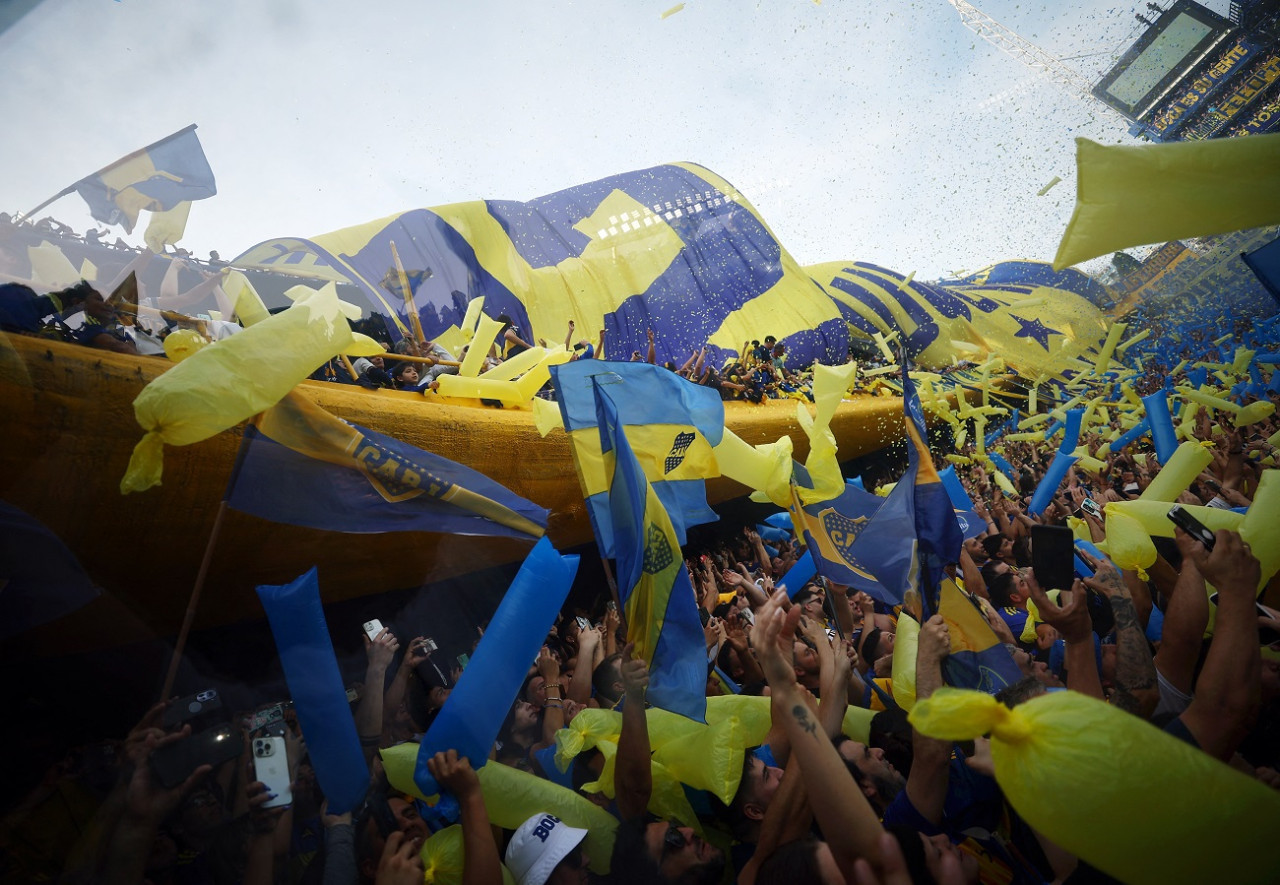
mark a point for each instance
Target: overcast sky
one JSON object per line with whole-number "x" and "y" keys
{"x": 875, "y": 130}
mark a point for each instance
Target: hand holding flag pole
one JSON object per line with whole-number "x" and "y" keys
{"x": 414, "y": 320}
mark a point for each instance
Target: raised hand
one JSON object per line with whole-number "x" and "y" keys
{"x": 1071, "y": 620}
{"x": 635, "y": 673}
{"x": 454, "y": 773}
{"x": 401, "y": 863}
{"x": 382, "y": 649}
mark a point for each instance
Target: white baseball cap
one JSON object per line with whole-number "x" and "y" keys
{"x": 538, "y": 845}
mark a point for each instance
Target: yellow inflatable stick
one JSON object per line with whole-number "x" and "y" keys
{"x": 1055, "y": 759}
{"x": 707, "y": 758}
{"x": 904, "y": 661}
{"x": 248, "y": 304}
{"x": 546, "y": 416}
{"x": 219, "y": 387}
{"x": 1153, "y": 516}
{"x": 1128, "y": 544}
{"x": 1260, "y": 527}
{"x": 1103, "y": 362}
{"x": 443, "y": 858}
{"x": 1175, "y": 477}
{"x": 857, "y": 723}
{"x": 479, "y": 349}
{"x": 475, "y": 308}
{"x": 516, "y": 366}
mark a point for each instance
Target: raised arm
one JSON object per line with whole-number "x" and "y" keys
{"x": 929, "y": 778}
{"x": 1230, "y": 683}
{"x": 633, "y": 773}
{"x": 1136, "y": 689}
{"x": 368, "y": 716}
{"x": 844, "y": 815}
{"x": 481, "y": 864}
{"x": 1073, "y": 622}
{"x": 1185, "y": 619}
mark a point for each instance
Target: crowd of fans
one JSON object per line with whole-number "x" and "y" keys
{"x": 813, "y": 805}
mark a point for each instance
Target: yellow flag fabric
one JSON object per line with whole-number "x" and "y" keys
{"x": 1131, "y": 195}
{"x": 220, "y": 386}
{"x": 1169, "y": 813}
{"x": 167, "y": 227}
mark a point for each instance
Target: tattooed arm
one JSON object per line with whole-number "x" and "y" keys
{"x": 1135, "y": 688}
{"x": 846, "y": 818}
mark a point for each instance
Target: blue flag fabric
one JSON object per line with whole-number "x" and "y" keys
{"x": 315, "y": 684}
{"x": 156, "y": 178}
{"x": 829, "y": 530}
{"x": 302, "y": 466}
{"x": 914, "y": 534}
{"x": 671, "y": 425}
{"x": 471, "y": 718}
{"x": 653, "y": 584}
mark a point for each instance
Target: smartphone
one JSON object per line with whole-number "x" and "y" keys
{"x": 269, "y": 716}
{"x": 372, "y": 629}
{"x": 271, "y": 766}
{"x": 1179, "y": 516}
{"x": 1053, "y": 552}
{"x": 583, "y": 625}
{"x": 173, "y": 763}
{"x": 463, "y": 660}
{"x": 428, "y": 645}
{"x": 1090, "y": 506}
{"x": 748, "y": 615}
{"x": 611, "y": 606}
{"x": 190, "y": 707}
{"x": 352, "y": 695}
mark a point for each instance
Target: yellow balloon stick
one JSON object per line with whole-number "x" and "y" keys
{"x": 1141, "y": 336}
{"x": 1103, "y": 361}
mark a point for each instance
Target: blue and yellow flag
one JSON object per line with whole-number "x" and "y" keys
{"x": 656, "y": 595}
{"x": 977, "y": 659}
{"x": 829, "y": 530}
{"x": 671, "y": 425}
{"x": 914, "y": 534}
{"x": 302, "y": 466}
{"x": 158, "y": 177}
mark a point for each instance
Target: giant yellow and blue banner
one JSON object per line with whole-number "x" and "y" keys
{"x": 679, "y": 251}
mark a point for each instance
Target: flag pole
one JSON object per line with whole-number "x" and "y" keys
{"x": 23, "y": 216}
{"x": 414, "y": 320}
{"x": 189, "y": 618}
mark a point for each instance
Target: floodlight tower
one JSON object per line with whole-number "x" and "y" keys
{"x": 1023, "y": 50}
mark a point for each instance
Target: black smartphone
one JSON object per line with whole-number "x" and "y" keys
{"x": 173, "y": 764}
{"x": 1179, "y": 516}
{"x": 191, "y": 707}
{"x": 1053, "y": 551}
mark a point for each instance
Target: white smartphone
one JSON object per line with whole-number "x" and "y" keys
{"x": 372, "y": 629}
{"x": 271, "y": 766}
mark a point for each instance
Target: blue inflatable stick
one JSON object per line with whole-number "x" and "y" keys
{"x": 315, "y": 684}
{"x": 960, "y": 499}
{"x": 1053, "y": 477}
{"x": 799, "y": 574}
{"x": 1161, "y": 424}
{"x": 472, "y": 716}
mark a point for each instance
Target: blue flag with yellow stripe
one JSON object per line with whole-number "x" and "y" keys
{"x": 157, "y": 178}
{"x": 654, "y": 587}
{"x": 302, "y": 466}
{"x": 671, "y": 425}
{"x": 914, "y": 534}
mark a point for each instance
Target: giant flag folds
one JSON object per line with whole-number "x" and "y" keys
{"x": 662, "y": 614}
{"x": 914, "y": 534}
{"x": 671, "y": 425}
{"x": 157, "y": 178}
{"x": 302, "y": 466}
